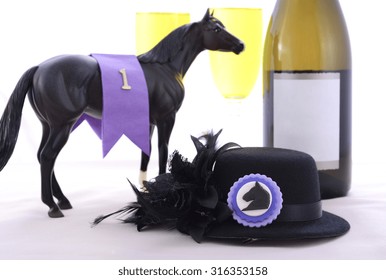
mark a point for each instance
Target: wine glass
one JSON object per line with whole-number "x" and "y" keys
{"x": 236, "y": 75}
{"x": 152, "y": 27}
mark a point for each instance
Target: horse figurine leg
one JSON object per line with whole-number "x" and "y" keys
{"x": 164, "y": 129}
{"x": 145, "y": 161}
{"x": 53, "y": 140}
{"x": 63, "y": 202}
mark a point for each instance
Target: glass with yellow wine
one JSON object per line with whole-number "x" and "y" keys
{"x": 236, "y": 75}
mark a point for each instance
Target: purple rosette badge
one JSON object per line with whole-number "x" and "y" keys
{"x": 256, "y": 200}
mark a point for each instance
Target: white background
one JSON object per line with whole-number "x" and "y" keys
{"x": 32, "y": 31}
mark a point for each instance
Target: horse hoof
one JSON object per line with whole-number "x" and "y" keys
{"x": 64, "y": 204}
{"x": 55, "y": 213}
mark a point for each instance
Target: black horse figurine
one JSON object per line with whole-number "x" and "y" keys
{"x": 63, "y": 88}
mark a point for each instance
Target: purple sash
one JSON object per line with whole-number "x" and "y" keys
{"x": 125, "y": 103}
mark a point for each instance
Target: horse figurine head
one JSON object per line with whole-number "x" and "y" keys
{"x": 182, "y": 45}
{"x": 217, "y": 38}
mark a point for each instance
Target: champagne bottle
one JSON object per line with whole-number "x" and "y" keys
{"x": 307, "y": 87}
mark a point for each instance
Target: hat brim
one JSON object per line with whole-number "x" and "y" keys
{"x": 329, "y": 225}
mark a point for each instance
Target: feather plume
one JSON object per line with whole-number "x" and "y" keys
{"x": 185, "y": 198}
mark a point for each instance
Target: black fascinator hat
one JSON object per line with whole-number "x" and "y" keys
{"x": 236, "y": 193}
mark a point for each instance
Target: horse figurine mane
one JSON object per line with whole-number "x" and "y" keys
{"x": 167, "y": 48}
{"x": 59, "y": 106}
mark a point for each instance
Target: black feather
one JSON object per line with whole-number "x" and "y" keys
{"x": 185, "y": 198}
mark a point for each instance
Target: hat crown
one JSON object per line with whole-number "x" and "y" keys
{"x": 294, "y": 172}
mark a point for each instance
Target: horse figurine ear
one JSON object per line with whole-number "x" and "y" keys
{"x": 207, "y": 15}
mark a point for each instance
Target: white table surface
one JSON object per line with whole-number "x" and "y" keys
{"x": 26, "y": 232}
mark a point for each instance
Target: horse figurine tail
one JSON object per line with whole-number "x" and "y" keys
{"x": 11, "y": 119}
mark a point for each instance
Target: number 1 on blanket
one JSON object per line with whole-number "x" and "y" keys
{"x": 124, "y": 79}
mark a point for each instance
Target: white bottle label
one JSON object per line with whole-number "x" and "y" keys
{"x": 306, "y": 115}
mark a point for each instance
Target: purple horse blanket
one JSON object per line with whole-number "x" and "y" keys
{"x": 125, "y": 103}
